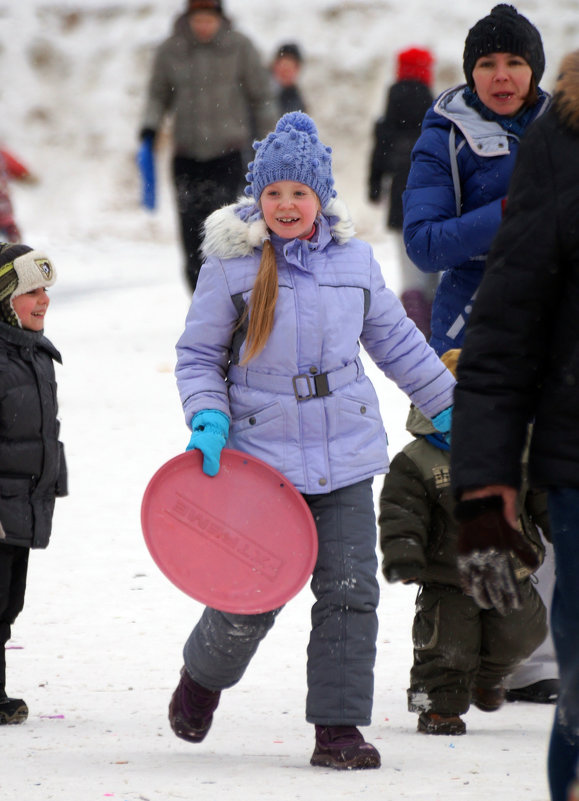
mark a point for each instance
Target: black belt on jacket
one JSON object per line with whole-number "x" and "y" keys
{"x": 303, "y": 386}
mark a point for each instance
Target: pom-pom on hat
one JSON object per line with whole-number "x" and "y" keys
{"x": 504, "y": 30}
{"x": 415, "y": 64}
{"x": 293, "y": 152}
{"x": 22, "y": 270}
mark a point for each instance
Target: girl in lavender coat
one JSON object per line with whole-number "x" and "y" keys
{"x": 269, "y": 364}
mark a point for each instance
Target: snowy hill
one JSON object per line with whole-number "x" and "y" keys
{"x": 74, "y": 76}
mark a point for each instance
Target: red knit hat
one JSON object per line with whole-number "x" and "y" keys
{"x": 415, "y": 64}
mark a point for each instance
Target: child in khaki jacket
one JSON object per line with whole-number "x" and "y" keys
{"x": 462, "y": 654}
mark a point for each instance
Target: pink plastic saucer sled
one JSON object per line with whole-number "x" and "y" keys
{"x": 242, "y": 541}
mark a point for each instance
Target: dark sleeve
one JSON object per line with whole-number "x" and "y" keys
{"x": 507, "y": 337}
{"x": 404, "y": 515}
{"x": 161, "y": 94}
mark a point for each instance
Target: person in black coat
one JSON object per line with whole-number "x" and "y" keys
{"x": 395, "y": 133}
{"x": 32, "y": 465}
{"x": 520, "y": 363}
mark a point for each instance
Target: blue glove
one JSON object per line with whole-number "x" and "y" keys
{"x": 443, "y": 423}
{"x": 146, "y": 164}
{"x": 210, "y": 431}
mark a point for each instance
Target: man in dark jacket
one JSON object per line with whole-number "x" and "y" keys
{"x": 211, "y": 79}
{"x": 32, "y": 466}
{"x": 520, "y": 362}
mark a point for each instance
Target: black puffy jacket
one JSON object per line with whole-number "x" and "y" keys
{"x": 32, "y": 465}
{"x": 520, "y": 359}
{"x": 395, "y": 135}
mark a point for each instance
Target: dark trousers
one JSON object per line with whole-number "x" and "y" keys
{"x": 13, "y": 572}
{"x": 564, "y": 746}
{"x": 458, "y": 646}
{"x": 201, "y": 188}
{"x": 342, "y": 647}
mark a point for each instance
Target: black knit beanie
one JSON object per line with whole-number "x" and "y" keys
{"x": 504, "y": 30}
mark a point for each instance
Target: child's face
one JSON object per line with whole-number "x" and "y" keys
{"x": 289, "y": 209}
{"x": 31, "y": 308}
{"x": 286, "y": 70}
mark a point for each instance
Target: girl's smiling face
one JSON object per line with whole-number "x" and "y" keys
{"x": 31, "y": 308}
{"x": 289, "y": 209}
{"x": 502, "y": 82}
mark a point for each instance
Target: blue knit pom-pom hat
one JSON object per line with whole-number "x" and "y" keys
{"x": 293, "y": 152}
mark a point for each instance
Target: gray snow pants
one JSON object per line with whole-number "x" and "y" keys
{"x": 342, "y": 647}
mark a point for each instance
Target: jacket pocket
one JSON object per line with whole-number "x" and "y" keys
{"x": 262, "y": 433}
{"x": 426, "y": 625}
{"x": 15, "y": 508}
{"x": 356, "y": 432}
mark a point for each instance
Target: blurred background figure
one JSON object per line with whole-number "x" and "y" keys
{"x": 211, "y": 79}
{"x": 407, "y": 101}
{"x": 11, "y": 168}
{"x": 285, "y": 69}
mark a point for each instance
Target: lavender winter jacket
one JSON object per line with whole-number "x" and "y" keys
{"x": 304, "y": 404}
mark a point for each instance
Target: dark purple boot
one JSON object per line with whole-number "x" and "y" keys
{"x": 343, "y": 748}
{"x": 191, "y": 709}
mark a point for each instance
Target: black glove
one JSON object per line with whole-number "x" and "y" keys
{"x": 406, "y": 572}
{"x": 147, "y": 135}
{"x": 486, "y": 543}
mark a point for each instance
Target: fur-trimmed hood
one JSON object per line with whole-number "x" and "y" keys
{"x": 236, "y": 230}
{"x": 566, "y": 97}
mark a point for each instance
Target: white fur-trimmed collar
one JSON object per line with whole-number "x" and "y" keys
{"x": 236, "y": 230}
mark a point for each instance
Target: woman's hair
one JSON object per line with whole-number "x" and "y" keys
{"x": 533, "y": 93}
{"x": 262, "y": 304}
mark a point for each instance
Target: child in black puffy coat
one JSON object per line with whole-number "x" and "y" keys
{"x": 32, "y": 465}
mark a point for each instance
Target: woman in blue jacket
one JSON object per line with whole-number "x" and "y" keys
{"x": 462, "y": 163}
{"x": 269, "y": 363}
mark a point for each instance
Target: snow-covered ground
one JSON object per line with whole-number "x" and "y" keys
{"x": 97, "y": 650}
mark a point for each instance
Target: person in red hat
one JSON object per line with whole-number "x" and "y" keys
{"x": 395, "y": 133}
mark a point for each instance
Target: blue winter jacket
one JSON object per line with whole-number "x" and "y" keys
{"x": 436, "y": 238}
{"x": 304, "y": 404}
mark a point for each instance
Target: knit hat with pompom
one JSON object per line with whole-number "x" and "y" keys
{"x": 415, "y": 64}
{"x": 293, "y": 152}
